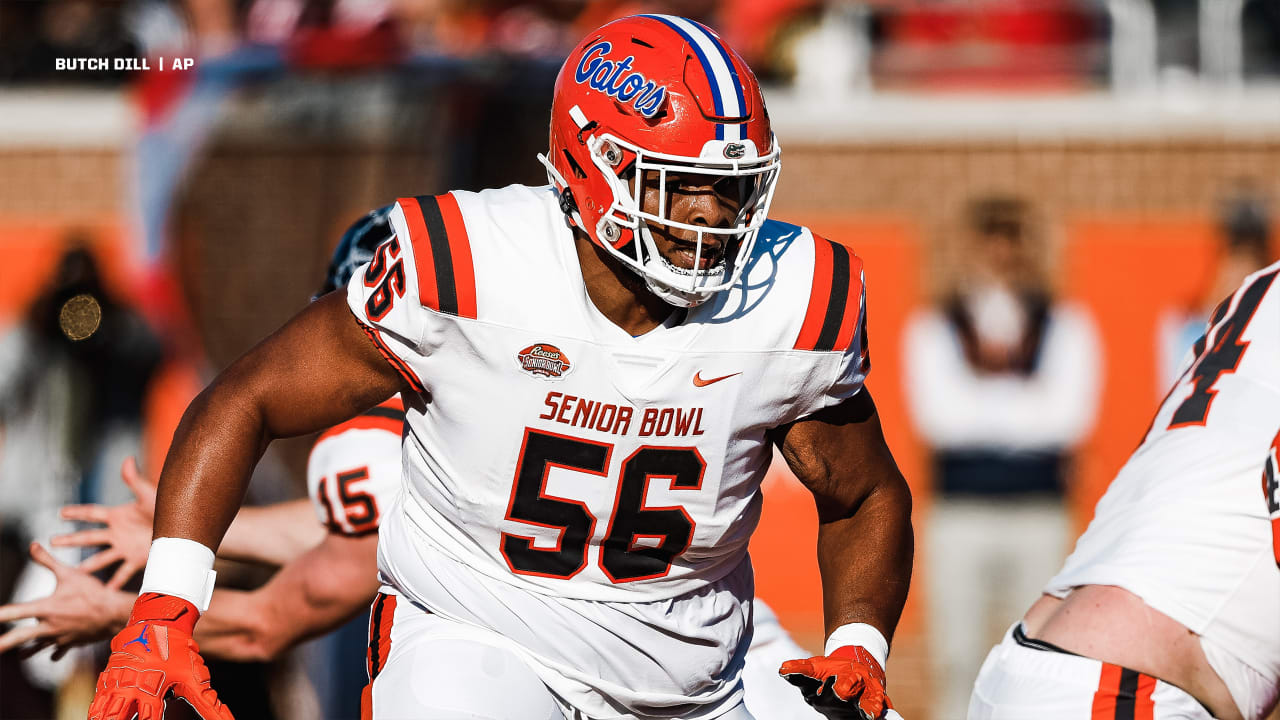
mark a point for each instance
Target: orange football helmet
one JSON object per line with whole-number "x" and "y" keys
{"x": 660, "y": 94}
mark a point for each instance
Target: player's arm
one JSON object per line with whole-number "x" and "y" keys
{"x": 316, "y": 371}
{"x": 272, "y": 534}
{"x": 323, "y": 588}
{"x": 865, "y": 546}
{"x": 80, "y": 610}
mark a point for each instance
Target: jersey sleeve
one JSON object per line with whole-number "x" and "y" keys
{"x": 834, "y": 331}
{"x": 404, "y": 296}
{"x": 354, "y": 471}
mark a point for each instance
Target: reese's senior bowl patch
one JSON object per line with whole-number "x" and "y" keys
{"x": 544, "y": 360}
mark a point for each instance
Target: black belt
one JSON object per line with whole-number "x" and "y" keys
{"x": 1020, "y": 637}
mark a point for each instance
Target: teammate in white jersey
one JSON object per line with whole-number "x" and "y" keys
{"x": 1169, "y": 607}
{"x": 594, "y": 375}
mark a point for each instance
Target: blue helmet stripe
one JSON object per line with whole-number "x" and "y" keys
{"x": 726, "y": 87}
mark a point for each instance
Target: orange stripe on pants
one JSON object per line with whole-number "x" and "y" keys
{"x": 1104, "y": 700}
{"x": 380, "y": 620}
{"x": 1123, "y": 694}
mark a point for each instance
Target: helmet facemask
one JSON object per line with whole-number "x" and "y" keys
{"x": 749, "y": 180}
{"x": 629, "y": 168}
{"x": 625, "y": 228}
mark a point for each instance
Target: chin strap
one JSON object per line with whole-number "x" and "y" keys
{"x": 655, "y": 267}
{"x": 568, "y": 204}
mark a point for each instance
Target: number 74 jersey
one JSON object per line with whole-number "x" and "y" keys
{"x": 546, "y": 447}
{"x": 1183, "y": 525}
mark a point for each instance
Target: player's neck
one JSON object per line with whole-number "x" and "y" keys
{"x": 619, "y": 294}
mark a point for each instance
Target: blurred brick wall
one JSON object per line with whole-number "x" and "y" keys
{"x": 261, "y": 186}
{"x": 925, "y": 182}
{"x": 71, "y": 185}
{"x": 928, "y": 183}
{"x": 255, "y": 229}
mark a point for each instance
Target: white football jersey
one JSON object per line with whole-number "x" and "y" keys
{"x": 354, "y": 470}
{"x": 1183, "y": 525}
{"x": 545, "y": 446}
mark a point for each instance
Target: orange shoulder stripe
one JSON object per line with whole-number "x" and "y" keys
{"x": 834, "y": 298}
{"x": 442, "y": 253}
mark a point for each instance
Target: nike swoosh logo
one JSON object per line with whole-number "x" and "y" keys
{"x": 699, "y": 382}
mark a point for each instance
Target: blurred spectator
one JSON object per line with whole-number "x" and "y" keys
{"x": 1002, "y": 380}
{"x": 1261, "y": 25}
{"x": 1244, "y": 234}
{"x": 990, "y": 44}
{"x": 73, "y": 375}
{"x": 1178, "y": 30}
{"x": 834, "y": 58}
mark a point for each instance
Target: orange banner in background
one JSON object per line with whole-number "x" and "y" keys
{"x": 1127, "y": 272}
{"x": 783, "y": 549}
{"x": 31, "y": 249}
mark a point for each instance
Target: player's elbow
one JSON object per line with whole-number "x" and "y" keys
{"x": 894, "y": 492}
{"x": 230, "y": 401}
{"x": 263, "y": 643}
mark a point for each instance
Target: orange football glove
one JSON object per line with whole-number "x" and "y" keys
{"x": 848, "y": 684}
{"x": 153, "y": 656}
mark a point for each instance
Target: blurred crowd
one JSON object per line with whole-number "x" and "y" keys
{"x": 934, "y": 44}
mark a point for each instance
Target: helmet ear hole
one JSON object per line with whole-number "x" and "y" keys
{"x": 611, "y": 153}
{"x": 573, "y": 164}
{"x": 610, "y": 230}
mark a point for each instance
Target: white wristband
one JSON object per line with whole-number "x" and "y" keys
{"x": 861, "y": 635}
{"x": 180, "y": 567}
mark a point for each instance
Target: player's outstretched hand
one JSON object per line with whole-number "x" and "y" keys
{"x": 153, "y": 656}
{"x": 80, "y": 610}
{"x": 127, "y": 535}
{"x": 848, "y": 684}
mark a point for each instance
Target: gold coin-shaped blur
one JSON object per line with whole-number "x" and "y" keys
{"x": 80, "y": 316}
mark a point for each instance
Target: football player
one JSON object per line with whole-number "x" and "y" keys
{"x": 1169, "y": 607}
{"x": 353, "y": 477}
{"x": 595, "y": 374}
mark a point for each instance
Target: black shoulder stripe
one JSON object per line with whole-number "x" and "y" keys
{"x": 830, "y": 332}
{"x": 441, "y": 253}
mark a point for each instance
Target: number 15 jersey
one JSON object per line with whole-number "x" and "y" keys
{"x": 548, "y": 448}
